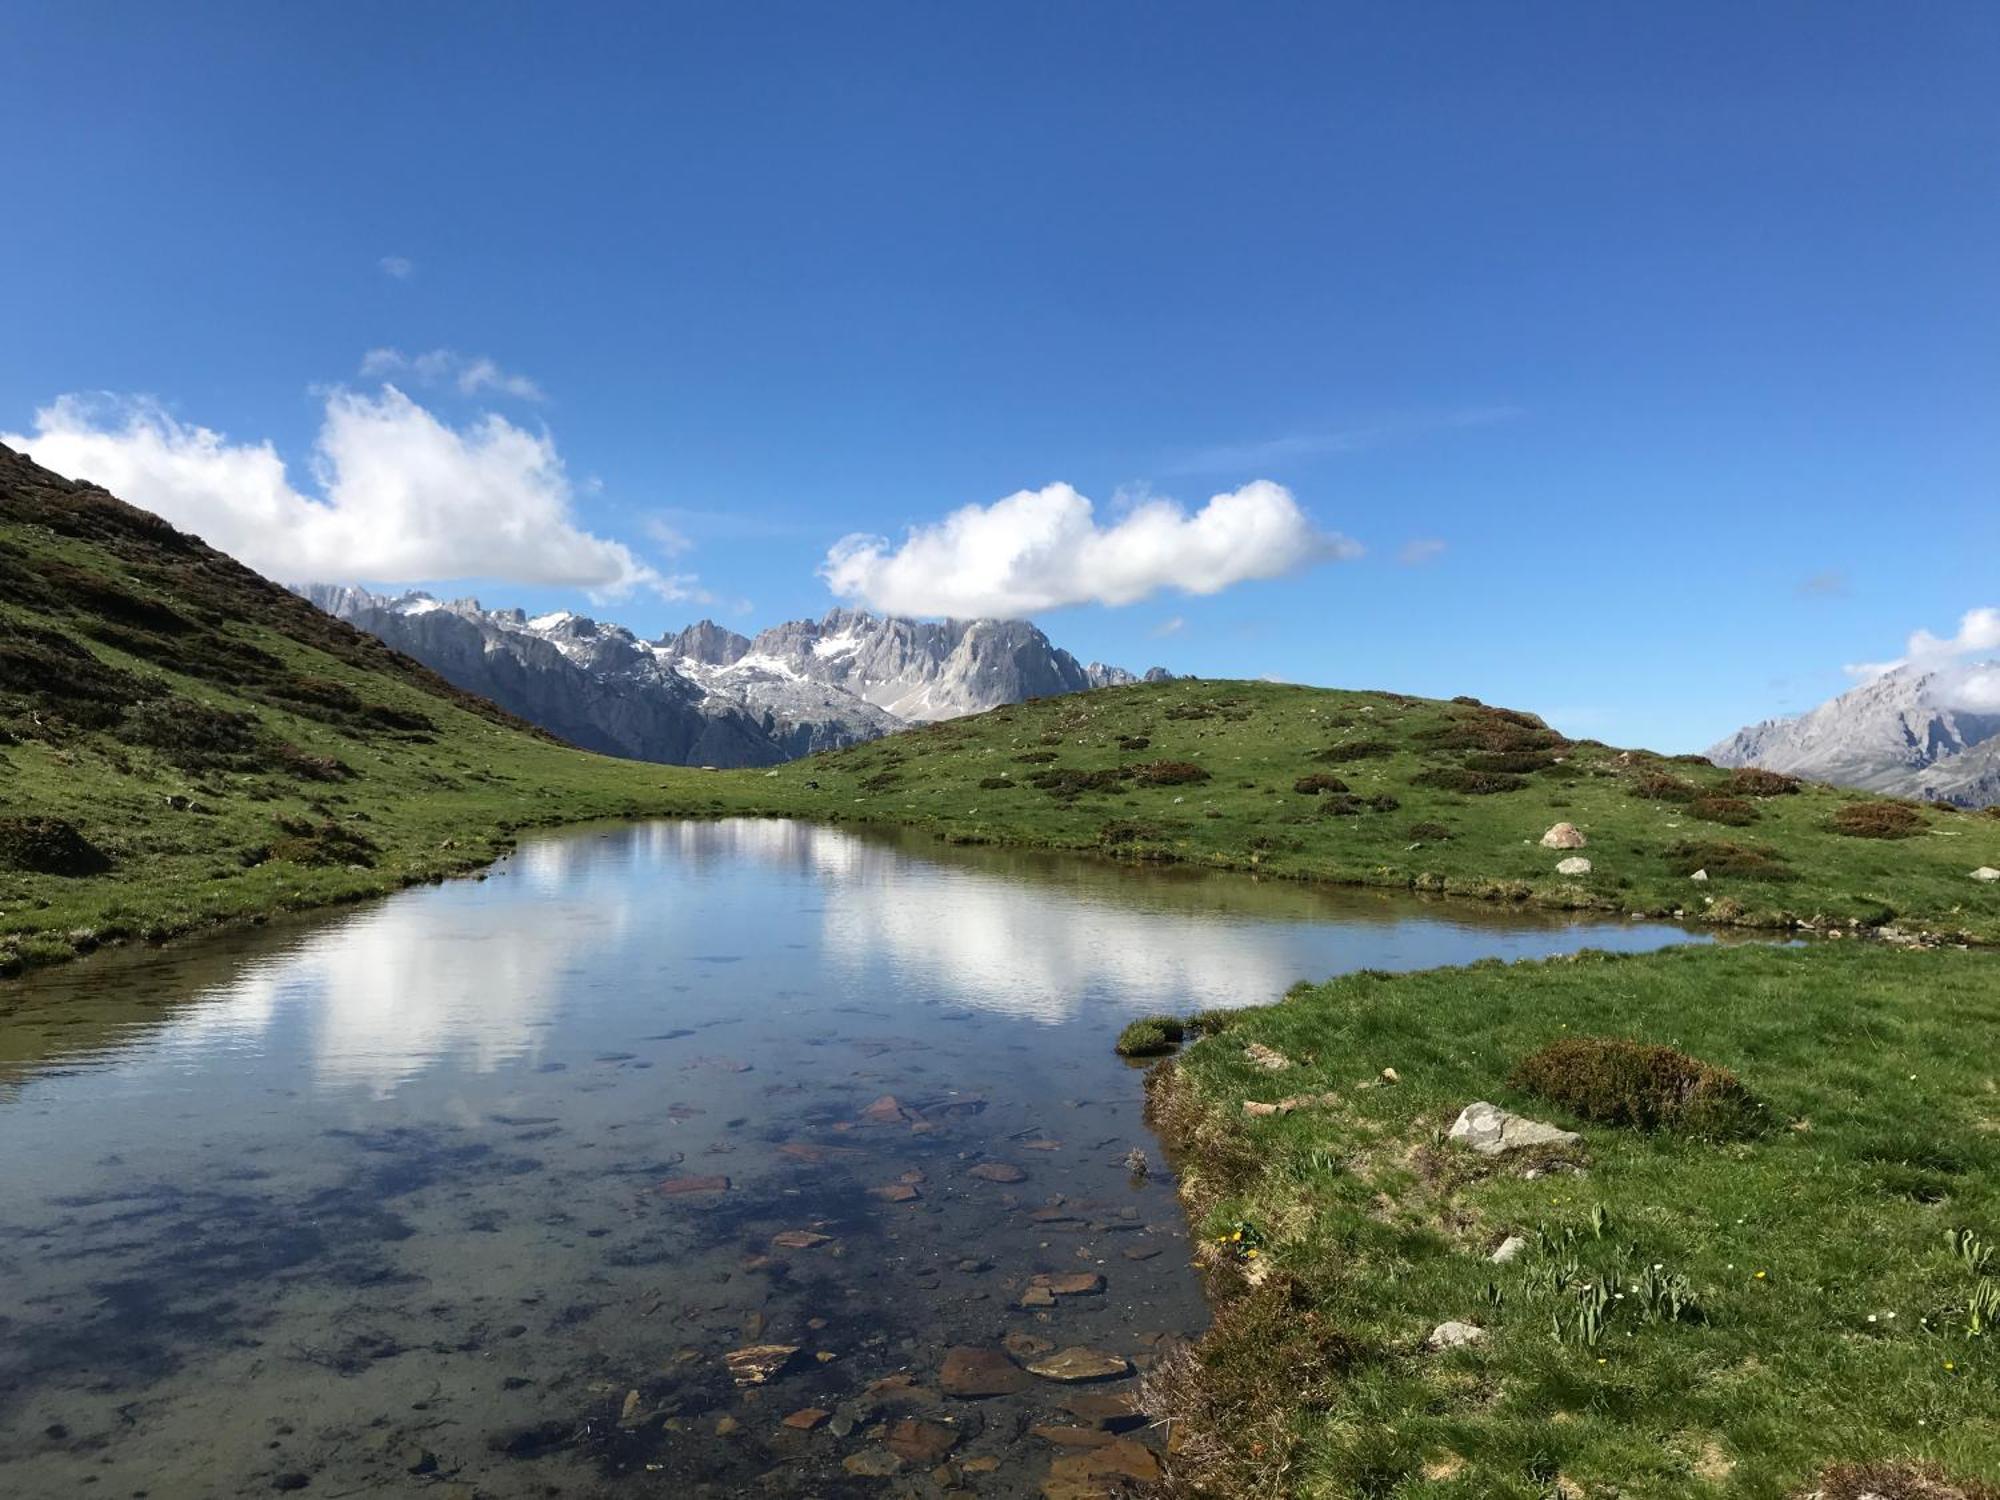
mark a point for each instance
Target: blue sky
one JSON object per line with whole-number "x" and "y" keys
{"x": 1648, "y": 352}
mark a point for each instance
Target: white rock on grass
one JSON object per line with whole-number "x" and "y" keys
{"x": 1564, "y": 836}
{"x": 1986, "y": 872}
{"x": 1574, "y": 865}
{"x": 1490, "y": 1130}
{"x": 1701, "y": 875}
{"x": 1510, "y": 1249}
{"x": 1454, "y": 1335}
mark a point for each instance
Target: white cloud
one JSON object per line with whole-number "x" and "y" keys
{"x": 399, "y": 266}
{"x": 1173, "y": 625}
{"x": 400, "y": 495}
{"x": 1957, "y": 682}
{"x": 1415, "y": 554}
{"x": 469, "y": 375}
{"x": 1043, "y": 549}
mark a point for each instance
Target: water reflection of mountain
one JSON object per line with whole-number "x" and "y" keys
{"x": 472, "y": 974}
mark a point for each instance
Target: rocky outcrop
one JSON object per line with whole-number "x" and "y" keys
{"x": 707, "y": 695}
{"x": 1909, "y": 733}
{"x": 1490, "y": 1130}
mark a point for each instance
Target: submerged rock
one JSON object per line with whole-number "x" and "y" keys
{"x": 973, "y": 1374}
{"x": 1081, "y": 1364}
{"x": 1490, "y": 1130}
{"x": 998, "y": 1171}
{"x": 756, "y": 1363}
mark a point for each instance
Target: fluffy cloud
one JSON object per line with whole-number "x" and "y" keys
{"x": 401, "y": 496}
{"x": 1042, "y": 549}
{"x": 469, "y": 376}
{"x": 399, "y": 266}
{"x": 1958, "y": 683}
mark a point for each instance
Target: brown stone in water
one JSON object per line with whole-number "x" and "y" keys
{"x": 972, "y": 1374}
{"x": 807, "y": 1418}
{"x": 756, "y": 1363}
{"x": 1081, "y": 1364}
{"x": 1025, "y": 1345}
{"x": 1120, "y": 1459}
{"x": 919, "y": 1442}
{"x": 1046, "y": 1143}
{"x": 1038, "y": 1296}
{"x": 895, "y": 1192}
{"x": 1053, "y": 1216}
{"x": 799, "y": 1239}
{"x": 673, "y": 1187}
{"x": 872, "y": 1463}
{"x": 887, "y": 1110}
{"x": 998, "y": 1171}
{"x": 1141, "y": 1252}
{"x": 1071, "y": 1283}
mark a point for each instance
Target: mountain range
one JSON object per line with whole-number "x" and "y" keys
{"x": 708, "y": 695}
{"x": 1907, "y": 733}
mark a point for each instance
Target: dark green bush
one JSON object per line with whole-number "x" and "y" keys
{"x": 1514, "y": 762}
{"x": 1317, "y": 782}
{"x": 1722, "y": 859}
{"x": 48, "y": 846}
{"x": 1133, "y": 742}
{"x": 996, "y": 783}
{"x": 1169, "y": 773}
{"x": 1355, "y": 750}
{"x": 304, "y": 842}
{"x": 1658, "y": 786}
{"x": 1429, "y": 833}
{"x": 1471, "y": 783}
{"x": 1733, "y": 811}
{"x": 1036, "y": 757}
{"x": 1754, "y": 781}
{"x": 1617, "y": 1082}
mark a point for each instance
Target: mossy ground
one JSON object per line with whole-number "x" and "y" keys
{"x": 1776, "y": 1304}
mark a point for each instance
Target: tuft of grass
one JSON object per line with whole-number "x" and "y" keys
{"x": 1613, "y": 1081}
{"x": 1150, "y": 1036}
{"x": 1754, "y": 781}
{"x": 1467, "y": 782}
{"x": 1734, "y": 812}
{"x": 1317, "y": 782}
{"x": 1169, "y": 773}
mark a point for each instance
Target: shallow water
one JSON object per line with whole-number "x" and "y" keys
{"x": 374, "y": 1204}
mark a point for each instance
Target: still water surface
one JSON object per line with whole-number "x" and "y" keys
{"x": 374, "y": 1204}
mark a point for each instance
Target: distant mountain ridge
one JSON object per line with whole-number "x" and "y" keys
{"x": 707, "y": 695}
{"x": 1901, "y": 734}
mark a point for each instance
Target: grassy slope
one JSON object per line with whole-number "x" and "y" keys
{"x": 1257, "y": 739}
{"x": 138, "y": 666}
{"x": 1836, "y": 1314}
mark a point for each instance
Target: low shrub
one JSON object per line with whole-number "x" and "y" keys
{"x": 1346, "y": 805}
{"x": 1151, "y": 1036}
{"x": 1134, "y": 742}
{"x": 48, "y": 846}
{"x": 1036, "y": 757}
{"x": 1617, "y": 1082}
{"x": 307, "y": 843}
{"x": 1723, "y": 859}
{"x": 1733, "y": 811}
{"x": 1317, "y": 782}
{"x": 1350, "y": 750}
{"x": 1471, "y": 783}
{"x": 1515, "y": 762}
{"x": 1070, "y": 782}
{"x": 193, "y": 735}
{"x": 1877, "y": 820}
{"x": 1429, "y": 833}
{"x": 996, "y": 783}
{"x": 881, "y": 781}
{"x": 1169, "y": 773}
{"x": 1128, "y": 831}
{"x": 307, "y": 766}
{"x": 1658, "y": 786}
{"x": 1755, "y": 781}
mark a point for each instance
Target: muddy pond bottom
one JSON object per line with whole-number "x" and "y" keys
{"x": 673, "y": 1159}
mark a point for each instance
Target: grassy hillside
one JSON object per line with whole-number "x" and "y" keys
{"x": 184, "y": 743}
{"x": 1794, "y": 1287}
{"x": 1383, "y": 789}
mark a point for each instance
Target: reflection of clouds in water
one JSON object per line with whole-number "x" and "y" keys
{"x": 418, "y": 982}
{"x": 1045, "y": 953}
